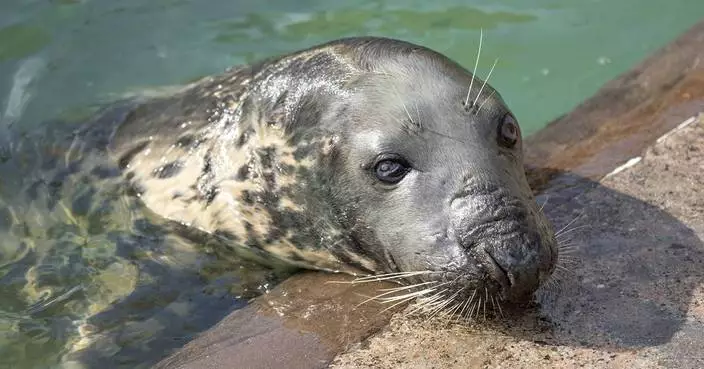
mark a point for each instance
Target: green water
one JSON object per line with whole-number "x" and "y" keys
{"x": 59, "y": 58}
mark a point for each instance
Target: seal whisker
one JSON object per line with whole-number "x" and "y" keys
{"x": 568, "y": 250}
{"x": 567, "y": 245}
{"x": 547, "y": 198}
{"x": 383, "y": 277}
{"x": 554, "y": 285}
{"x": 567, "y": 231}
{"x": 437, "y": 307}
{"x": 402, "y": 297}
{"x": 445, "y": 315}
{"x": 397, "y": 304}
{"x": 469, "y": 313}
{"x": 431, "y": 310}
{"x": 415, "y": 293}
{"x": 405, "y": 108}
{"x": 568, "y": 224}
{"x": 468, "y": 303}
{"x": 392, "y": 291}
{"x": 484, "y": 84}
{"x": 453, "y": 311}
{"x": 561, "y": 273}
{"x": 460, "y": 315}
{"x": 423, "y": 303}
{"x": 474, "y": 71}
{"x": 445, "y": 303}
{"x": 501, "y": 311}
{"x": 485, "y": 100}
{"x": 420, "y": 123}
{"x": 477, "y": 306}
{"x": 431, "y": 299}
{"x": 568, "y": 254}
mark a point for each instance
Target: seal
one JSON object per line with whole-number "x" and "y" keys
{"x": 361, "y": 155}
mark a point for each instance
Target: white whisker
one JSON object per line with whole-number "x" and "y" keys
{"x": 397, "y": 304}
{"x": 498, "y": 305}
{"x": 401, "y": 297}
{"x": 476, "y": 63}
{"x": 563, "y": 233}
{"x": 424, "y": 302}
{"x": 420, "y": 123}
{"x": 452, "y": 311}
{"x": 568, "y": 224}
{"x": 478, "y": 306}
{"x": 547, "y": 198}
{"x": 394, "y": 289}
{"x": 485, "y": 81}
{"x": 469, "y": 302}
{"x": 447, "y": 302}
{"x": 485, "y": 100}
{"x": 383, "y": 277}
{"x": 390, "y": 291}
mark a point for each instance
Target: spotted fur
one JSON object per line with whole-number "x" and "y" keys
{"x": 230, "y": 156}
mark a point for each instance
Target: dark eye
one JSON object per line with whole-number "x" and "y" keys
{"x": 509, "y": 133}
{"x": 391, "y": 171}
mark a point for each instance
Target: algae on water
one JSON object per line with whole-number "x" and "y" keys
{"x": 19, "y": 40}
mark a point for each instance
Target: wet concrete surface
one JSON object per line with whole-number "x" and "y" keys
{"x": 303, "y": 323}
{"x": 631, "y": 297}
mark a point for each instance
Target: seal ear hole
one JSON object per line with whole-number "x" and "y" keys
{"x": 509, "y": 133}
{"x": 390, "y": 169}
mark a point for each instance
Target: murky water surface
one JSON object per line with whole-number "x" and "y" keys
{"x": 86, "y": 273}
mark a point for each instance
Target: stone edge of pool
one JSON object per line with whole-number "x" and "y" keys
{"x": 309, "y": 319}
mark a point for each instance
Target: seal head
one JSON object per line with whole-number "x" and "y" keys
{"x": 363, "y": 154}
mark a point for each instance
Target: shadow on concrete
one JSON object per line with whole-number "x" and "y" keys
{"x": 629, "y": 275}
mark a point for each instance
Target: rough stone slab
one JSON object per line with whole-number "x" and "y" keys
{"x": 631, "y": 291}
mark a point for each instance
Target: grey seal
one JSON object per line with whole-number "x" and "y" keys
{"x": 362, "y": 155}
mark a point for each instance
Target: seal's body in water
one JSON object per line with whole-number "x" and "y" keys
{"x": 363, "y": 155}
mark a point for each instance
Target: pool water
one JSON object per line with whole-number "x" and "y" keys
{"x": 73, "y": 275}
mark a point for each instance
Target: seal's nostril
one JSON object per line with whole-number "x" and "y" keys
{"x": 498, "y": 273}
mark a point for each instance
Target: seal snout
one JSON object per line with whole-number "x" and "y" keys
{"x": 496, "y": 231}
{"x": 511, "y": 267}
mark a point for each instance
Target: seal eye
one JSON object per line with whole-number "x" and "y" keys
{"x": 509, "y": 132}
{"x": 391, "y": 171}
